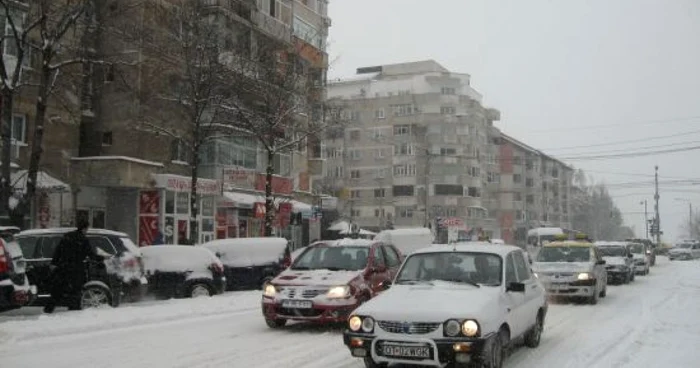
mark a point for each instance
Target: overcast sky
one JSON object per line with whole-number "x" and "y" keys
{"x": 564, "y": 74}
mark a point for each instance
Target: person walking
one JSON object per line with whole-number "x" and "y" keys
{"x": 68, "y": 267}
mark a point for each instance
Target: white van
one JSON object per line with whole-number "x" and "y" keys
{"x": 406, "y": 240}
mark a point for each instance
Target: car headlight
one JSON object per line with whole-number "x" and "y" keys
{"x": 584, "y": 276}
{"x": 452, "y": 328}
{"x": 536, "y": 275}
{"x": 355, "y": 323}
{"x": 368, "y": 324}
{"x": 338, "y": 292}
{"x": 270, "y": 291}
{"x": 470, "y": 328}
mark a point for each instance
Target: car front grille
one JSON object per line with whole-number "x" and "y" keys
{"x": 408, "y": 328}
{"x": 305, "y": 293}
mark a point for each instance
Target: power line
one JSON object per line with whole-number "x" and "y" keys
{"x": 630, "y": 154}
{"x": 624, "y": 142}
{"x": 675, "y": 144}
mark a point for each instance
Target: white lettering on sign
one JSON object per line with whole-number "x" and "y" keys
{"x": 184, "y": 184}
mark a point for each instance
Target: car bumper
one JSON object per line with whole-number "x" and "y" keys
{"x": 337, "y": 311}
{"x": 14, "y": 297}
{"x": 679, "y": 256}
{"x": 573, "y": 289}
{"x": 135, "y": 289}
{"x": 640, "y": 267}
{"x": 441, "y": 350}
{"x": 618, "y": 274}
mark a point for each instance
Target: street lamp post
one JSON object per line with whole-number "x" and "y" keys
{"x": 646, "y": 219}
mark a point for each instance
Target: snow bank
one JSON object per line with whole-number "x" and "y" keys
{"x": 178, "y": 258}
{"x": 245, "y": 252}
{"x": 126, "y": 316}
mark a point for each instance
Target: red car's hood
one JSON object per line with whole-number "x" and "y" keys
{"x": 316, "y": 277}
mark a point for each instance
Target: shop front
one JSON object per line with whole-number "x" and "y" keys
{"x": 165, "y": 211}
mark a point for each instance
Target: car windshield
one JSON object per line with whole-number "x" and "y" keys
{"x": 612, "y": 251}
{"x": 466, "y": 267}
{"x": 564, "y": 254}
{"x": 686, "y": 245}
{"x": 351, "y": 258}
{"x": 637, "y": 248}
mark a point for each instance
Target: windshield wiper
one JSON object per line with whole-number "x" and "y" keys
{"x": 301, "y": 268}
{"x": 413, "y": 282}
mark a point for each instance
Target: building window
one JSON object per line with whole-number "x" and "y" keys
{"x": 179, "y": 152}
{"x": 402, "y": 130}
{"x": 451, "y": 212}
{"x": 529, "y": 182}
{"x": 379, "y": 193}
{"x": 355, "y": 213}
{"x": 517, "y": 178}
{"x": 517, "y": 196}
{"x": 405, "y": 170}
{"x": 380, "y": 173}
{"x": 355, "y": 135}
{"x": 493, "y": 177}
{"x": 517, "y": 160}
{"x": 530, "y": 199}
{"x": 19, "y": 128}
{"x": 405, "y": 212}
{"x": 474, "y": 171}
{"x": 355, "y": 154}
{"x": 449, "y": 190}
{"x": 379, "y": 153}
{"x": 379, "y": 114}
{"x": 447, "y": 110}
{"x": 474, "y": 192}
{"x": 403, "y": 109}
{"x": 107, "y": 138}
{"x": 448, "y": 91}
{"x": 354, "y": 194}
{"x": 376, "y": 133}
{"x": 448, "y": 151}
{"x": 379, "y": 212}
{"x": 403, "y": 149}
{"x": 403, "y": 191}
{"x": 354, "y": 174}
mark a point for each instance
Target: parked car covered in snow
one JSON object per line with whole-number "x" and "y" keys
{"x": 250, "y": 262}
{"x": 642, "y": 258}
{"x": 460, "y": 305}
{"x": 180, "y": 271}
{"x": 619, "y": 261}
{"x": 651, "y": 249}
{"x": 572, "y": 269}
{"x": 121, "y": 277}
{"x": 685, "y": 251}
{"x": 328, "y": 281}
{"x": 15, "y": 290}
{"x": 406, "y": 240}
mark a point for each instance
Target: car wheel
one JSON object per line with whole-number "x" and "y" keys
{"x": 199, "y": 290}
{"x": 497, "y": 352}
{"x": 275, "y": 323}
{"x": 533, "y": 337}
{"x": 593, "y": 299}
{"x": 370, "y": 363}
{"x": 95, "y": 296}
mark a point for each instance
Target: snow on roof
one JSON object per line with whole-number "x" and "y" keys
{"x": 544, "y": 231}
{"x": 177, "y": 258}
{"x": 354, "y": 78}
{"x": 118, "y": 158}
{"x": 569, "y": 243}
{"x": 479, "y": 247}
{"x": 245, "y": 252}
{"x": 409, "y": 231}
{"x": 44, "y": 181}
{"x": 63, "y": 230}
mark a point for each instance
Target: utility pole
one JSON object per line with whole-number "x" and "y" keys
{"x": 656, "y": 206}
{"x": 690, "y": 219}
{"x": 646, "y": 220}
{"x": 428, "y": 157}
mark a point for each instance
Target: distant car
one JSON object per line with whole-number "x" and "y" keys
{"x": 619, "y": 260}
{"x": 642, "y": 258}
{"x": 180, "y": 271}
{"x": 121, "y": 277}
{"x": 684, "y": 251}
{"x": 15, "y": 290}
{"x": 572, "y": 269}
{"x": 651, "y": 249}
{"x": 460, "y": 305}
{"x": 249, "y": 263}
{"x": 328, "y": 281}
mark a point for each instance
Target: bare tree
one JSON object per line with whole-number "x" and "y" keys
{"x": 278, "y": 100}
{"x": 196, "y": 86}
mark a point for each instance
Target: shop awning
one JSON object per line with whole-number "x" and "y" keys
{"x": 45, "y": 182}
{"x": 247, "y": 200}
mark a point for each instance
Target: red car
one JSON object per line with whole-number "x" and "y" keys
{"x": 328, "y": 281}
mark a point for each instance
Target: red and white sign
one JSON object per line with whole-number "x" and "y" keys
{"x": 280, "y": 184}
{"x": 148, "y": 230}
{"x": 149, "y": 202}
{"x": 452, "y": 222}
{"x": 177, "y": 183}
{"x": 259, "y": 210}
{"x": 239, "y": 178}
{"x": 149, "y": 209}
{"x": 284, "y": 214}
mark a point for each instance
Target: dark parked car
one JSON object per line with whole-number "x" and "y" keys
{"x": 120, "y": 277}
{"x": 251, "y": 262}
{"x": 180, "y": 271}
{"x": 15, "y": 290}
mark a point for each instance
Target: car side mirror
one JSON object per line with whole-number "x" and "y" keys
{"x": 630, "y": 255}
{"x": 601, "y": 262}
{"x": 516, "y": 287}
{"x": 385, "y": 285}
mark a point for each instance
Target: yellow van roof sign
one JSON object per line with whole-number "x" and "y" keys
{"x": 561, "y": 237}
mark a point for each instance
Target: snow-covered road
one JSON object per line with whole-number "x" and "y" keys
{"x": 653, "y": 322}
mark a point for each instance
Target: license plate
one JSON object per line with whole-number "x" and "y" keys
{"x": 301, "y": 304}
{"x": 558, "y": 286}
{"x": 402, "y": 351}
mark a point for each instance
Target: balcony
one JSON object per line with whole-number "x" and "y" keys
{"x": 274, "y": 27}
{"x": 241, "y": 9}
{"x": 114, "y": 171}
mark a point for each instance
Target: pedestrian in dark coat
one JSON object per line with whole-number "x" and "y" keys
{"x": 69, "y": 270}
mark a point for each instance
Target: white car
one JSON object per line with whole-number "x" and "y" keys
{"x": 451, "y": 306}
{"x": 642, "y": 258}
{"x": 685, "y": 251}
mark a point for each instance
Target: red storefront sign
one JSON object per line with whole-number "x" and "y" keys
{"x": 280, "y": 185}
{"x": 177, "y": 183}
{"x": 284, "y": 214}
{"x": 149, "y": 208}
{"x": 304, "y": 182}
{"x": 238, "y": 178}
{"x": 259, "y": 210}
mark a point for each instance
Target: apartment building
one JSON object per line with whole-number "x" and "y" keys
{"x": 418, "y": 147}
{"x": 534, "y": 191}
{"x": 136, "y": 180}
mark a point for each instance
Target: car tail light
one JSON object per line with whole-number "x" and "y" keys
{"x": 4, "y": 258}
{"x": 287, "y": 260}
{"x": 131, "y": 263}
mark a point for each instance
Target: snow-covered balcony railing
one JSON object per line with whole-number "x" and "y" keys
{"x": 109, "y": 171}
